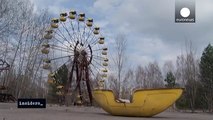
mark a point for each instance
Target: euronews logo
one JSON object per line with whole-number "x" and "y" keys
{"x": 185, "y": 11}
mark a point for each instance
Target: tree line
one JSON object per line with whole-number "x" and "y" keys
{"x": 21, "y": 34}
{"x": 193, "y": 73}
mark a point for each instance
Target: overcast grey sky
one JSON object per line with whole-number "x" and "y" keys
{"x": 148, "y": 24}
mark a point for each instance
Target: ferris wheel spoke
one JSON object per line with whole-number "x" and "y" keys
{"x": 97, "y": 56}
{"x": 78, "y": 27}
{"x": 76, "y": 39}
{"x": 95, "y": 71}
{"x": 57, "y": 46}
{"x": 78, "y": 32}
{"x": 75, "y": 33}
{"x": 95, "y": 67}
{"x": 68, "y": 32}
{"x": 62, "y": 57}
{"x": 95, "y": 76}
{"x": 99, "y": 49}
{"x": 97, "y": 62}
{"x": 62, "y": 43}
{"x": 91, "y": 54}
{"x": 94, "y": 42}
{"x": 83, "y": 35}
{"x": 88, "y": 35}
{"x": 73, "y": 29}
{"x": 62, "y": 36}
{"x": 54, "y": 48}
{"x": 61, "y": 66}
{"x": 58, "y": 68}
{"x": 89, "y": 41}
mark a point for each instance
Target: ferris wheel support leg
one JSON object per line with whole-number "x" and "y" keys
{"x": 69, "y": 84}
{"x": 88, "y": 86}
{"x": 78, "y": 82}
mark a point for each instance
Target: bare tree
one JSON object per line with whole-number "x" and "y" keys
{"x": 113, "y": 83}
{"x": 168, "y": 67}
{"x": 22, "y": 42}
{"x": 141, "y": 77}
{"x": 119, "y": 59}
{"x": 187, "y": 74}
{"x": 127, "y": 84}
{"x": 154, "y": 76}
{"x": 180, "y": 73}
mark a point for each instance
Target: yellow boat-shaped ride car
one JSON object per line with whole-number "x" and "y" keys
{"x": 144, "y": 102}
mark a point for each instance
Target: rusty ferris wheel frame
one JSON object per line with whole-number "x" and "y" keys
{"x": 82, "y": 47}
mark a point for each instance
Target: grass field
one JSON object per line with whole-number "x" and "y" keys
{"x": 9, "y": 111}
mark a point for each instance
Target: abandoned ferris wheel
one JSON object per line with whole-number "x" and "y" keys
{"x": 73, "y": 40}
